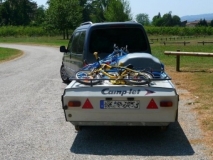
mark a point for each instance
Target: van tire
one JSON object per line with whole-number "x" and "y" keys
{"x": 63, "y": 74}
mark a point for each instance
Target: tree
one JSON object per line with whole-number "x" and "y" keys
{"x": 157, "y": 20}
{"x": 127, "y": 9}
{"x": 118, "y": 10}
{"x": 142, "y": 18}
{"x": 202, "y": 22}
{"x": 97, "y": 9}
{"x": 17, "y": 12}
{"x": 167, "y": 20}
{"x": 5, "y": 14}
{"x": 63, "y": 16}
{"x": 39, "y": 17}
{"x": 176, "y": 20}
{"x": 211, "y": 23}
{"x": 86, "y": 6}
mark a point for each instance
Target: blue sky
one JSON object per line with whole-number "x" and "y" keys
{"x": 177, "y": 7}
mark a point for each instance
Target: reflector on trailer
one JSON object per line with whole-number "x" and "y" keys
{"x": 152, "y": 105}
{"x": 87, "y": 105}
{"x": 74, "y": 104}
{"x": 166, "y": 104}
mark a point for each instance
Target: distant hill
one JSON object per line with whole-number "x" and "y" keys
{"x": 191, "y": 18}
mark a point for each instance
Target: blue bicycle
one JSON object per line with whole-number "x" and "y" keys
{"x": 111, "y": 59}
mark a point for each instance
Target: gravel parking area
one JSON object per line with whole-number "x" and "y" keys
{"x": 32, "y": 123}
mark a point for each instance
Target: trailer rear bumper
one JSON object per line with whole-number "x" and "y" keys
{"x": 120, "y": 123}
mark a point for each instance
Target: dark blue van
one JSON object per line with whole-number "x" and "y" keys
{"x": 100, "y": 37}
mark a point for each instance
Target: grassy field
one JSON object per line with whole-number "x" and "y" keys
{"x": 8, "y": 54}
{"x": 49, "y": 41}
{"x": 196, "y": 73}
{"x": 196, "y": 76}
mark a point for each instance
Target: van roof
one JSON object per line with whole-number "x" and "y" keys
{"x": 89, "y": 24}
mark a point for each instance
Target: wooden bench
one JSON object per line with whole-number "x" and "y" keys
{"x": 178, "y": 54}
{"x": 203, "y": 42}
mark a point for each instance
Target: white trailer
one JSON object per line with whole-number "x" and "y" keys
{"x": 154, "y": 104}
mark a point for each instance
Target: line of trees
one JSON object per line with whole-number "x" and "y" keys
{"x": 204, "y": 23}
{"x": 62, "y": 15}
{"x": 66, "y": 15}
{"x": 69, "y": 14}
{"x": 167, "y": 20}
{"x": 17, "y": 12}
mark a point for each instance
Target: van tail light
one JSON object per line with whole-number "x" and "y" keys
{"x": 85, "y": 63}
{"x": 166, "y": 104}
{"x": 74, "y": 104}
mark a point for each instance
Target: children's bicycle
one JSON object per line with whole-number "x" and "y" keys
{"x": 117, "y": 75}
{"x": 111, "y": 59}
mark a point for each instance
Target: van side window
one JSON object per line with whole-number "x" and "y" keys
{"x": 74, "y": 48}
{"x": 70, "y": 44}
{"x": 81, "y": 42}
{"x": 78, "y": 42}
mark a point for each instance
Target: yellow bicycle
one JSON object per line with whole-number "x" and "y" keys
{"x": 117, "y": 75}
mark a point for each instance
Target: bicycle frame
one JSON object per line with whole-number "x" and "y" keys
{"x": 118, "y": 78}
{"x": 111, "y": 59}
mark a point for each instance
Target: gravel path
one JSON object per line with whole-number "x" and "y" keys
{"x": 32, "y": 123}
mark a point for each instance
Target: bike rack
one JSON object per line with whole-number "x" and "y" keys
{"x": 104, "y": 79}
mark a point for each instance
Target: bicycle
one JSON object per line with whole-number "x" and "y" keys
{"x": 121, "y": 75}
{"x": 111, "y": 59}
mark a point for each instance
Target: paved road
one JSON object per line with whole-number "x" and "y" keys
{"x": 32, "y": 124}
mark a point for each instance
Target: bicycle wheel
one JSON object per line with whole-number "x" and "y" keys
{"x": 138, "y": 78}
{"x": 83, "y": 77}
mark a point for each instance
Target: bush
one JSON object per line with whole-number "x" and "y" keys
{"x": 16, "y": 31}
{"x": 179, "y": 31}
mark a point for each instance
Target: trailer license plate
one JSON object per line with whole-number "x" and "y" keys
{"x": 119, "y": 104}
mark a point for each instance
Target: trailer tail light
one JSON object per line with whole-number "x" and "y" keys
{"x": 166, "y": 104}
{"x": 74, "y": 104}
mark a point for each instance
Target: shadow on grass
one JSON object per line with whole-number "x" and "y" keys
{"x": 142, "y": 141}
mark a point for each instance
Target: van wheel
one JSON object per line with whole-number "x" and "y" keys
{"x": 64, "y": 76}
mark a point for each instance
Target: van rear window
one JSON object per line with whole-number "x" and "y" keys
{"x": 103, "y": 40}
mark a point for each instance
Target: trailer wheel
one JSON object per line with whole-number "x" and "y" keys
{"x": 164, "y": 128}
{"x": 78, "y": 128}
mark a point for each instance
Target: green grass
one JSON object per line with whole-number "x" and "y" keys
{"x": 192, "y": 62}
{"x": 196, "y": 76}
{"x": 49, "y": 41}
{"x": 187, "y": 62}
{"x": 8, "y": 54}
